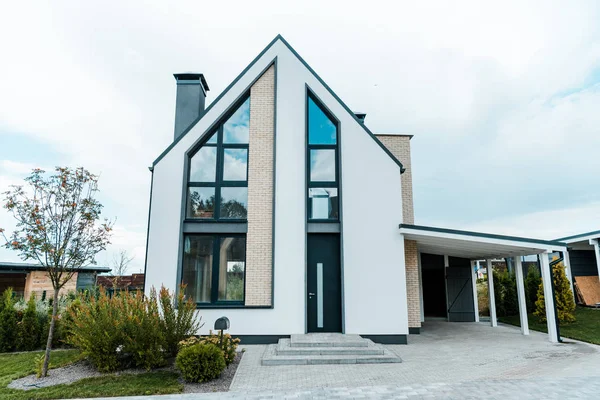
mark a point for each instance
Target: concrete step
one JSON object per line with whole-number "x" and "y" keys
{"x": 327, "y": 340}
{"x": 284, "y": 348}
{"x": 272, "y": 358}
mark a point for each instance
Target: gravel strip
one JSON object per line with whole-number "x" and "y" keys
{"x": 65, "y": 375}
{"x": 56, "y": 376}
{"x": 221, "y": 384}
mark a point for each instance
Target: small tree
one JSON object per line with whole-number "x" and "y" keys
{"x": 532, "y": 283}
{"x": 563, "y": 296}
{"x": 119, "y": 267}
{"x": 58, "y": 225}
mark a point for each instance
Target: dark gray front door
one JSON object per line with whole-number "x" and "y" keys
{"x": 324, "y": 290}
{"x": 460, "y": 294}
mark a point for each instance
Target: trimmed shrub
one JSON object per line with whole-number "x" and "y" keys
{"x": 228, "y": 346}
{"x": 29, "y": 328}
{"x": 8, "y": 322}
{"x": 178, "y": 319}
{"x": 201, "y": 362}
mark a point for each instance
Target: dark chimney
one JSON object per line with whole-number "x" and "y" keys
{"x": 361, "y": 116}
{"x": 189, "y": 105}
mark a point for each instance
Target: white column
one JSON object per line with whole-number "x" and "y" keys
{"x": 521, "y": 295}
{"x": 567, "y": 264}
{"x": 594, "y": 242}
{"x": 474, "y": 279}
{"x": 446, "y": 265}
{"x": 548, "y": 297}
{"x": 421, "y": 288}
{"x": 490, "y": 278}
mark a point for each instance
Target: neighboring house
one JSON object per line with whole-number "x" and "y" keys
{"x": 26, "y": 279}
{"x": 583, "y": 253}
{"x": 131, "y": 282}
{"x": 277, "y": 207}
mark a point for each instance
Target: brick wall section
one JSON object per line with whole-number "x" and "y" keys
{"x": 38, "y": 281}
{"x": 399, "y": 145}
{"x": 259, "y": 242}
{"x": 411, "y": 259}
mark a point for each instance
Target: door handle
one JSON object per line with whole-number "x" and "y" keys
{"x": 311, "y": 294}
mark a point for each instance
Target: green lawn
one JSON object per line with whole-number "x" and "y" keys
{"x": 14, "y": 366}
{"x": 586, "y": 328}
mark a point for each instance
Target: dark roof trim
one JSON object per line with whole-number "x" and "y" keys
{"x": 223, "y": 93}
{"x": 279, "y": 37}
{"x": 335, "y": 96}
{"x": 483, "y": 235}
{"x": 581, "y": 235}
{"x": 13, "y": 266}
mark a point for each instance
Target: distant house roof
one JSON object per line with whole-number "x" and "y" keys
{"x": 26, "y": 267}
{"x": 133, "y": 281}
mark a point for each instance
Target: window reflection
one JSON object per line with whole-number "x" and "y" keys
{"x": 203, "y": 165}
{"x": 323, "y": 203}
{"x": 237, "y": 127}
{"x": 197, "y": 267}
{"x": 232, "y": 262}
{"x": 321, "y": 130}
{"x": 322, "y": 165}
{"x": 234, "y": 202}
{"x": 235, "y": 164}
{"x": 201, "y": 202}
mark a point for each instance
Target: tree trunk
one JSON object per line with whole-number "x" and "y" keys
{"x": 50, "y": 334}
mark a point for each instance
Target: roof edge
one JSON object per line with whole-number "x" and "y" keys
{"x": 335, "y": 96}
{"x": 482, "y": 234}
{"x": 581, "y": 235}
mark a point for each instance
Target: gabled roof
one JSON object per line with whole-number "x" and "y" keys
{"x": 280, "y": 38}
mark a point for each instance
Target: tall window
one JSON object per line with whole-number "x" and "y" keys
{"x": 214, "y": 267}
{"x": 218, "y": 173}
{"x": 323, "y": 155}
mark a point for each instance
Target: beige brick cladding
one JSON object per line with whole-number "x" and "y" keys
{"x": 411, "y": 260}
{"x": 399, "y": 145}
{"x": 38, "y": 282}
{"x": 259, "y": 242}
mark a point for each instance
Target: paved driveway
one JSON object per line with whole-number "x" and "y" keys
{"x": 443, "y": 353}
{"x": 448, "y": 360}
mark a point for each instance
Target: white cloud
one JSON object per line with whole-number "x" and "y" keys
{"x": 496, "y": 94}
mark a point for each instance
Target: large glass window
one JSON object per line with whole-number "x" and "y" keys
{"x": 323, "y": 161}
{"x": 218, "y": 177}
{"x": 214, "y": 268}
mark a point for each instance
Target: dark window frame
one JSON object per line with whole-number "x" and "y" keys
{"x": 219, "y": 182}
{"x": 321, "y": 184}
{"x": 216, "y": 259}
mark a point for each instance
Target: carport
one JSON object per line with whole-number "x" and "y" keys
{"x": 458, "y": 250}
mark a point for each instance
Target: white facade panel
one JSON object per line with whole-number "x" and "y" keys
{"x": 374, "y": 287}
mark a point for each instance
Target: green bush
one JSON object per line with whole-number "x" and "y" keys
{"x": 144, "y": 339}
{"x": 563, "y": 297}
{"x": 29, "y": 328}
{"x": 178, "y": 319}
{"x": 228, "y": 346}
{"x": 532, "y": 283}
{"x": 8, "y": 322}
{"x": 200, "y": 362}
{"x": 129, "y": 329}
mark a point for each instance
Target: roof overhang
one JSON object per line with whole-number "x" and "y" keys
{"x": 581, "y": 241}
{"x": 475, "y": 245}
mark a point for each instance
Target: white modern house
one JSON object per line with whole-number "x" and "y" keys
{"x": 277, "y": 207}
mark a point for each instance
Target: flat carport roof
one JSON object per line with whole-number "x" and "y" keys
{"x": 477, "y": 246}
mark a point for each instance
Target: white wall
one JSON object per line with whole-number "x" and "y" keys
{"x": 373, "y": 256}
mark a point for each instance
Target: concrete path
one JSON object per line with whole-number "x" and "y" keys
{"x": 448, "y": 360}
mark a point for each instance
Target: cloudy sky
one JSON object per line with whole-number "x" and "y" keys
{"x": 504, "y": 101}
